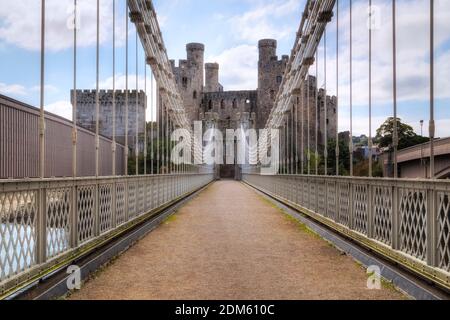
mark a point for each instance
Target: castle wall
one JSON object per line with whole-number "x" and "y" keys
{"x": 212, "y": 78}
{"x": 270, "y": 75}
{"x": 306, "y": 104}
{"x": 196, "y": 96}
{"x": 252, "y": 107}
{"x": 331, "y": 116}
{"x": 86, "y": 115}
{"x": 229, "y": 106}
{"x": 189, "y": 77}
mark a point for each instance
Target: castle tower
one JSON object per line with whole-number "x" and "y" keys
{"x": 212, "y": 77}
{"x": 196, "y": 58}
{"x": 189, "y": 77}
{"x": 267, "y": 50}
{"x": 270, "y": 75}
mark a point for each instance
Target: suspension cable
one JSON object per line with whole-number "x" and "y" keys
{"x": 114, "y": 93}
{"x": 351, "y": 92}
{"x": 316, "y": 94}
{"x": 151, "y": 122}
{"x": 337, "y": 88}
{"x": 163, "y": 129}
{"x": 325, "y": 118}
{"x": 302, "y": 146}
{"x": 432, "y": 122}
{"x": 158, "y": 128}
{"x": 126, "y": 92}
{"x": 145, "y": 119}
{"x": 394, "y": 83}
{"x": 97, "y": 101}
{"x": 291, "y": 141}
{"x": 42, "y": 85}
{"x": 308, "y": 156}
{"x": 370, "y": 89}
{"x": 74, "y": 96}
{"x": 136, "y": 152}
{"x": 296, "y": 133}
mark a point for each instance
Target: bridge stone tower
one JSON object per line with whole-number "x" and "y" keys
{"x": 270, "y": 75}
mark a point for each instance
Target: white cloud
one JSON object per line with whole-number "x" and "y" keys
{"x": 238, "y": 67}
{"x": 258, "y": 23}
{"x": 21, "y": 24}
{"x": 20, "y": 90}
{"x": 48, "y": 88}
{"x": 12, "y": 89}
{"x": 360, "y": 124}
{"x": 412, "y": 53}
{"x": 61, "y": 108}
{"x": 107, "y": 84}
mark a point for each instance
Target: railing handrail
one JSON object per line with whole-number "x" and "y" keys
{"x": 46, "y": 222}
{"x": 406, "y": 221}
{"x": 363, "y": 179}
{"x": 72, "y": 179}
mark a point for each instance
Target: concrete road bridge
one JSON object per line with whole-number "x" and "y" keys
{"x": 288, "y": 227}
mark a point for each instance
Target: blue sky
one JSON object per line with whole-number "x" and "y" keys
{"x": 230, "y": 30}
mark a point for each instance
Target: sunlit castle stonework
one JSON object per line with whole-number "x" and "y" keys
{"x": 205, "y": 98}
{"x": 86, "y": 113}
{"x": 82, "y": 216}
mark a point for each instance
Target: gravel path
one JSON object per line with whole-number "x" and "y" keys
{"x": 229, "y": 243}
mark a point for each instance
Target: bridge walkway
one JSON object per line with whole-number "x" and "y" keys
{"x": 230, "y": 243}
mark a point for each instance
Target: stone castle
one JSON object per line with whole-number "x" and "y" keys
{"x": 86, "y": 103}
{"x": 204, "y": 97}
{"x": 206, "y": 100}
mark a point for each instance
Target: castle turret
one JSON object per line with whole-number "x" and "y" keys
{"x": 195, "y": 54}
{"x": 267, "y": 50}
{"x": 190, "y": 78}
{"x": 270, "y": 75}
{"x": 212, "y": 77}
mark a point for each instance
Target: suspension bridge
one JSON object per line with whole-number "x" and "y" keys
{"x": 74, "y": 199}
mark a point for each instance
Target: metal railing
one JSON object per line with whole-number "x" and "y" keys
{"x": 406, "y": 220}
{"x": 46, "y": 222}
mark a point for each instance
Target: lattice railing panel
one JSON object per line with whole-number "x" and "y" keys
{"x": 155, "y": 193}
{"x": 141, "y": 198}
{"x": 413, "y": 227}
{"x": 312, "y": 196}
{"x": 18, "y": 213}
{"x": 382, "y": 214}
{"x": 148, "y": 196}
{"x": 132, "y": 186}
{"x": 59, "y": 205}
{"x": 443, "y": 216}
{"x": 360, "y": 207}
{"x": 75, "y": 213}
{"x": 331, "y": 200}
{"x": 305, "y": 194}
{"x": 105, "y": 207}
{"x": 86, "y": 203}
{"x": 121, "y": 216}
{"x": 344, "y": 204}
{"x": 298, "y": 190}
{"x": 321, "y": 198}
{"x": 399, "y": 213}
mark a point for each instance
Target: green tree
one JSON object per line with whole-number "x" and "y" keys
{"x": 161, "y": 148}
{"x": 344, "y": 157}
{"x": 313, "y": 159}
{"x": 406, "y": 135}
